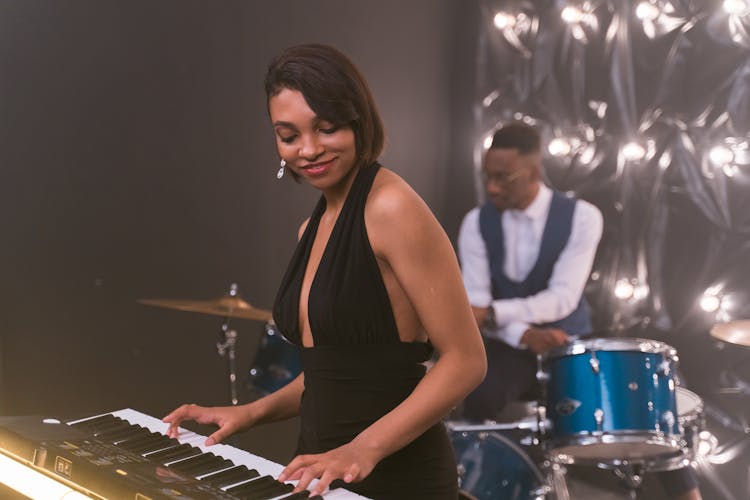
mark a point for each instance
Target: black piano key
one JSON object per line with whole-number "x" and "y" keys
{"x": 297, "y": 496}
{"x": 120, "y": 434}
{"x": 252, "y": 487}
{"x": 172, "y": 454}
{"x": 189, "y": 462}
{"x": 137, "y": 433}
{"x": 210, "y": 469}
{"x": 113, "y": 426}
{"x": 197, "y": 468}
{"x": 271, "y": 491}
{"x": 159, "y": 444}
{"x": 93, "y": 422}
{"x": 136, "y": 442}
{"x": 230, "y": 476}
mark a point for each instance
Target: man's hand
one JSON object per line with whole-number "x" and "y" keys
{"x": 541, "y": 340}
{"x": 482, "y": 315}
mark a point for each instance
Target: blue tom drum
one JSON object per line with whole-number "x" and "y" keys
{"x": 491, "y": 467}
{"x": 611, "y": 400}
{"x": 277, "y": 362}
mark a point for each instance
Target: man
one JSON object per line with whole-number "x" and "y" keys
{"x": 525, "y": 258}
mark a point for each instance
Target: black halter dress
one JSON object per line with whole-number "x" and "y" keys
{"x": 359, "y": 369}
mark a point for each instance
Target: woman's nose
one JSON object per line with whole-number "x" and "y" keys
{"x": 311, "y": 147}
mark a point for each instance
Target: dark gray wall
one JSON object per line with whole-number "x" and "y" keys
{"x": 136, "y": 161}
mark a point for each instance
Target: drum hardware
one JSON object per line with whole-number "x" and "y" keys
{"x": 632, "y": 475}
{"x": 229, "y": 306}
{"x": 542, "y": 378}
{"x": 490, "y": 426}
{"x": 594, "y": 362}
{"x": 226, "y": 347}
{"x": 599, "y": 419}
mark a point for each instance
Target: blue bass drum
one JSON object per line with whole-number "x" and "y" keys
{"x": 491, "y": 467}
{"x": 611, "y": 400}
{"x": 277, "y": 362}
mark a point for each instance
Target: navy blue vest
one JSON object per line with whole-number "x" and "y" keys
{"x": 554, "y": 238}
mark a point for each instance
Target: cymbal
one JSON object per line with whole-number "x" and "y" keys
{"x": 229, "y": 306}
{"x": 734, "y": 332}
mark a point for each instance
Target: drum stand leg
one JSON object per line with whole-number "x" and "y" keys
{"x": 632, "y": 476}
{"x": 226, "y": 347}
{"x": 555, "y": 473}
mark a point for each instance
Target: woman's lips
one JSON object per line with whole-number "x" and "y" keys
{"x": 317, "y": 168}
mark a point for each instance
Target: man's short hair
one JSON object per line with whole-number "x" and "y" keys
{"x": 517, "y": 135}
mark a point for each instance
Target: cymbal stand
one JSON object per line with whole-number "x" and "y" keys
{"x": 541, "y": 411}
{"x": 226, "y": 347}
{"x": 632, "y": 475}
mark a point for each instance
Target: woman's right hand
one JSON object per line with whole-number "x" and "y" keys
{"x": 230, "y": 419}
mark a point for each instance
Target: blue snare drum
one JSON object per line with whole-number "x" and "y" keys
{"x": 611, "y": 400}
{"x": 491, "y": 467}
{"x": 277, "y": 362}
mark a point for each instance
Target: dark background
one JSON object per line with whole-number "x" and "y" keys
{"x": 136, "y": 161}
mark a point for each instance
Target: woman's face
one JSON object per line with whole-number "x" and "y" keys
{"x": 313, "y": 148}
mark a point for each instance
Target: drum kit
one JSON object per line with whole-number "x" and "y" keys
{"x": 608, "y": 404}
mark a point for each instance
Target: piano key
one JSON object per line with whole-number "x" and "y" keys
{"x": 119, "y": 434}
{"x": 296, "y": 496}
{"x": 172, "y": 454}
{"x": 236, "y": 474}
{"x": 200, "y": 468}
{"x": 136, "y": 442}
{"x": 189, "y": 462}
{"x": 87, "y": 423}
{"x": 137, "y": 433}
{"x": 271, "y": 491}
{"x": 222, "y": 465}
{"x": 236, "y": 455}
{"x": 110, "y": 427}
{"x": 249, "y": 486}
{"x": 156, "y": 445}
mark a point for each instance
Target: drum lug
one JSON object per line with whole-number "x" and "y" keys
{"x": 665, "y": 367}
{"x": 599, "y": 419}
{"x": 594, "y": 362}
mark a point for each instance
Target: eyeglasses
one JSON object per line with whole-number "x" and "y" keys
{"x": 503, "y": 178}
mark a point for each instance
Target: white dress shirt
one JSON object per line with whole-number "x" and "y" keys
{"x": 522, "y": 230}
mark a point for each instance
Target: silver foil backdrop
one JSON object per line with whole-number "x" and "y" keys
{"x": 645, "y": 111}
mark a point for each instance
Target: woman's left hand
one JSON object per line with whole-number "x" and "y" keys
{"x": 346, "y": 462}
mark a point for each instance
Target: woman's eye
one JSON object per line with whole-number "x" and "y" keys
{"x": 329, "y": 130}
{"x": 288, "y": 139}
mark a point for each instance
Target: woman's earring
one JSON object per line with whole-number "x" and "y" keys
{"x": 282, "y": 167}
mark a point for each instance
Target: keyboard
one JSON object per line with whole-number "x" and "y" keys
{"x": 126, "y": 454}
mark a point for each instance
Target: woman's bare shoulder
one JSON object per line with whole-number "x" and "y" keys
{"x": 390, "y": 196}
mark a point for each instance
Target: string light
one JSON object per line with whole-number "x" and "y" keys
{"x": 737, "y": 7}
{"x": 624, "y": 289}
{"x": 711, "y": 299}
{"x": 632, "y": 151}
{"x": 647, "y": 11}
{"x": 503, "y": 20}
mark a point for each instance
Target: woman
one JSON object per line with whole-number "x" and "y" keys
{"x": 373, "y": 285}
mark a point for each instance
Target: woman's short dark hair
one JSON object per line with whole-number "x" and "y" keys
{"x": 517, "y": 135}
{"x": 334, "y": 89}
